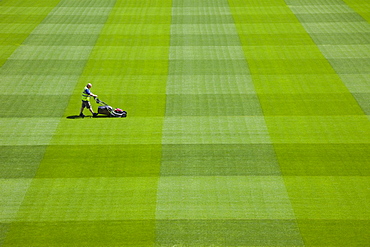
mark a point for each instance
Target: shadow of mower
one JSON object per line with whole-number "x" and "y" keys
{"x": 79, "y": 117}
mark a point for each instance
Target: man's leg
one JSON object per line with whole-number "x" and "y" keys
{"x": 92, "y": 111}
{"x": 81, "y": 113}
{"x": 88, "y": 106}
{"x": 82, "y": 109}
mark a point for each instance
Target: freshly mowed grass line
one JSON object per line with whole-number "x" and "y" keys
{"x": 14, "y": 15}
{"x": 335, "y": 232}
{"x": 339, "y": 215}
{"x": 84, "y": 199}
{"x": 326, "y": 159}
{"x": 27, "y": 131}
{"x": 219, "y": 160}
{"x": 213, "y": 105}
{"x": 228, "y": 232}
{"x": 20, "y": 161}
{"x": 35, "y": 66}
{"x": 304, "y": 104}
{"x": 33, "y": 106}
{"x": 114, "y": 160}
{"x": 217, "y": 154}
{"x": 361, "y": 7}
{"x": 223, "y": 197}
{"x": 349, "y": 55}
{"x": 311, "y": 128}
{"x": 211, "y": 84}
{"x": 106, "y": 179}
{"x": 326, "y": 216}
{"x": 83, "y": 233}
{"x": 310, "y": 201}
{"x": 12, "y": 192}
{"x": 30, "y": 79}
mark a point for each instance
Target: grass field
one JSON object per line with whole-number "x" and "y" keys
{"x": 248, "y": 123}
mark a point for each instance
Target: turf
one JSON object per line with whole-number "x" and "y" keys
{"x": 248, "y": 123}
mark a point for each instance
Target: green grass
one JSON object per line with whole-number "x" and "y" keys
{"x": 248, "y": 123}
{"x": 228, "y": 232}
{"x": 18, "y": 20}
{"x": 223, "y": 197}
{"x": 210, "y": 159}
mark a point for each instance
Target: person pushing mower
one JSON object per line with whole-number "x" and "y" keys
{"x": 86, "y": 94}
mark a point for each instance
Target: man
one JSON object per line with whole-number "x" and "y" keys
{"x": 86, "y": 94}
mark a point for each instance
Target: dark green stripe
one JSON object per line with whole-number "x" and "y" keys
{"x": 228, "y": 232}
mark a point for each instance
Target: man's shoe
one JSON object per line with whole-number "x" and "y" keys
{"x": 82, "y": 115}
{"x": 95, "y": 114}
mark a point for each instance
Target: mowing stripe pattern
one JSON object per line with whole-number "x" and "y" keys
{"x": 248, "y": 123}
{"x": 217, "y": 153}
{"x": 316, "y": 125}
{"x": 348, "y": 55}
{"x": 99, "y": 175}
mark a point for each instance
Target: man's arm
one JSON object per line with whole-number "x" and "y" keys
{"x": 87, "y": 91}
{"x": 93, "y": 95}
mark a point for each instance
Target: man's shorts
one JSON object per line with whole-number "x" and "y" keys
{"x": 86, "y": 104}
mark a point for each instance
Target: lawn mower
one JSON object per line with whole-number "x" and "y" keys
{"x": 107, "y": 110}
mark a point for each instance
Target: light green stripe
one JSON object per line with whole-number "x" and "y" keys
{"x": 223, "y": 197}
{"x": 34, "y": 69}
{"x": 362, "y": 7}
{"x": 205, "y": 79}
{"x": 87, "y": 186}
{"x": 88, "y": 199}
{"x": 281, "y": 72}
{"x": 349, "y": 60}
{"x": 13, "y": 30}
{"x": 12, "y": 192}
